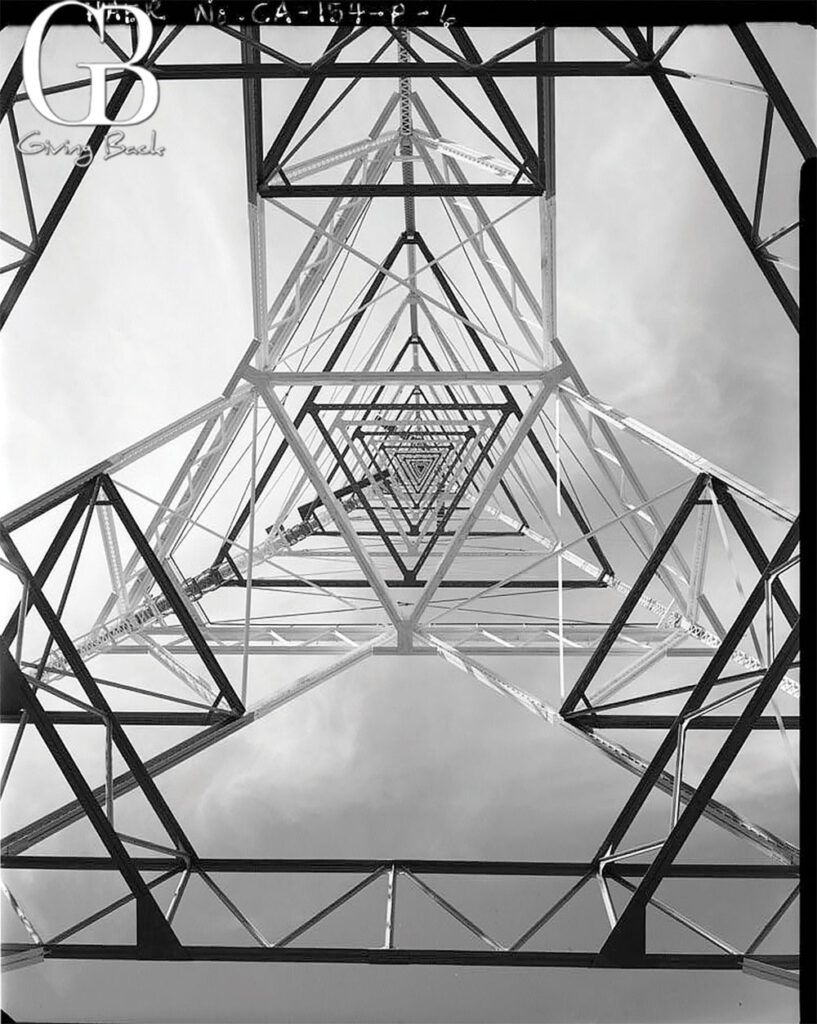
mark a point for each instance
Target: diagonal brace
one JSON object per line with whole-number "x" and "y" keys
{"x": 631, "y": 600}
{"x": 696, "y": 699}
{"x": 525, "y": 425}
{"x": 153, "y": 931}
{"x": 627, "y": 941}
{"x": 325, "y": 493}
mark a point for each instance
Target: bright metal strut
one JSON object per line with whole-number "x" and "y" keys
{"x": 407, "y": 462}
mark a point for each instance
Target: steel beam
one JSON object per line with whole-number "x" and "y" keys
{"x": 168, "y": 588}
{"x": 715, "y": 175}
{"x": 140, "y": 774}
{"x": 347, "y": 582}
{"x": 154, "y": 935}
{"x": 55, "y": 549}
{"x": 772, "y": 845}
{"x": 487, "y": 485}
{"x": 261, "y": 639}
{"x": 590, "y": 720}
{"x": 502, "y": 107}
{"x": 695, "y": 463}
{"x": 394, "y": 69}
{"x": 300, "y": 416}
{"x": 11, "y": 85}
{"x": 301, "y": 106}
{"x": 293, "y": 438}
{"x": 364, "y": 866}
{"x": 46, "y": 230}
{"x": 627, "y": 941}
{"x": 383, "y": 191}
{"x": 696, "y": 699}
{"x": 753, "y": 547}
{"x": 152, "y": 718}
{"x": 52, "y": 220}
{"x": 352, "y": 955}
{"x": 340, "y": 461}
{"x": 777, "y": 94}
{"x": 479, "y": 345}
{"x": 501, "y": 466}
{"x": 55, "y": 821}
{"x": 636, "y": 591}
{"x": 400, "y": 378}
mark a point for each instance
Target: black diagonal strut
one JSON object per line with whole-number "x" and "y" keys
{"x": 753, "y": 546}
{"x": 159, "y": 573}
{"x": 298, "y": 112}
{"x": 46, "y": 230}
{"x": 708, "y": 680}
{"x": 777, "y": 94}
{"x": 627, "y": 941}
{"x": 55, "y": 215}
{"x": 341, "y": 461}
{"x": 95, "y": 697}
{"x": 463, "y": 487}
{"x": 55, "y": 549}
{"x": 502, "y": 107}
{"x": 153, "y": 931}
{"x": 369, "y": 407}
{"x": 636, "y": 591}
{"x": 715, "y": 175}
{"x": 461, "y": 411}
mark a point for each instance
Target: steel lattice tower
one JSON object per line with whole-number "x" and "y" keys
{"x": 407, "y": 462}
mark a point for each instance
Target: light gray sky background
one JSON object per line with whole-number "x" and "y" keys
{"x": 139, "y": 312}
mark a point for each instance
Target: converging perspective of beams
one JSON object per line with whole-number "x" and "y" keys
{"x": 395, "y": 467}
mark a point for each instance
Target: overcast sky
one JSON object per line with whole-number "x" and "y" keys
{"x": 140, "y": 310}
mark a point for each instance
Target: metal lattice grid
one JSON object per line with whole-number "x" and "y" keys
{"x": 407, "y": 463}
